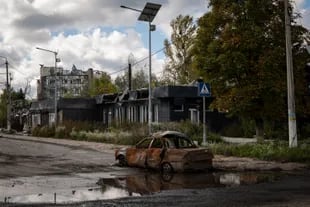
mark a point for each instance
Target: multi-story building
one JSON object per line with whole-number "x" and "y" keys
{"x": 69, "y": 83}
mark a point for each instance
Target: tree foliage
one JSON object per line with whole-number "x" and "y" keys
{"x": 240, "y": 51}
{"x": 102, "y": 85}
{"x": 139, "y": 80}
{"x": 3, "y": 107}
{"x": 179, "y": 51}
{"x": 18, "y": 103}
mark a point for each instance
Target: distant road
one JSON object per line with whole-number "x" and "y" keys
{"x": 23, "y": 156}
{"x": 239, "y": 140}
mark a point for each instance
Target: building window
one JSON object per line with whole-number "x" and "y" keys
{"x": 156, "y": 111}
{"x": 104, "y": 117}
{"x": 131, "y": 113}
{"x": 143, "y": 113}
{"x": 178, "y": 107}
{"x": 194, "y": 116}
{"x": 51, "y": 118}
{"x": 36, "y": 120}
{"x": 118, "y": 115}
{"x": 109, "y": 117}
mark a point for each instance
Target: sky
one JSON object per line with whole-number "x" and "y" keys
{"x": 94, "y": 34}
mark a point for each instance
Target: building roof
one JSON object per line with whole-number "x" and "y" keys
{"x": 175, "y": 92}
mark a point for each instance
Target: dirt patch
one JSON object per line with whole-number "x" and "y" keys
{"x": 250, "y": 164}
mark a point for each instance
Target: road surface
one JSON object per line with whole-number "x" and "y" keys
{"x": 36, "y": 170}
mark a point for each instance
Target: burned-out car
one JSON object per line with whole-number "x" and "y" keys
{"x": 167, "y": 151}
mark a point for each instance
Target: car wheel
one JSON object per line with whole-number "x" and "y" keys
{"x": 122, "y": 160}
{"x": 167, "y": 177}
{"x": 166, "y": 168}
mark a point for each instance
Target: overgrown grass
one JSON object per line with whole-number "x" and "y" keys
{"x": 120, "y": 137}
{"x": 277, "y": 151}
{"x": 131, "y": 133}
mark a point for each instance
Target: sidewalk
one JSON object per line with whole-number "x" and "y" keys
{"x": 239, "y": 140}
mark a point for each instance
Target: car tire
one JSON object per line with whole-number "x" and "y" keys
{"x": 166, "y": 177}
{"x": 122, "y": 160}
{"x": 166, "y": 168}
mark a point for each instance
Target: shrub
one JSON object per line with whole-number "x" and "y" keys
{"x": 305, "y": 131}
{"x": 278, "y": 151}
{"x": 233, "y": 130}
{"x": 78, "y": 135}
{"x": 44, "y": 131}
{"x": 61, "y": 132}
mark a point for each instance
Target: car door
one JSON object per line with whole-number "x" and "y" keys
{"x": 136, "y": 156}
{"x": 155, "y": 153}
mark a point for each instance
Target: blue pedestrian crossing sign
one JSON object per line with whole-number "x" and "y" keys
{"x": 204, "y": 89}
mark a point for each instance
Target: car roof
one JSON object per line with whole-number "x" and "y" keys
{"x": 165, "y": 133}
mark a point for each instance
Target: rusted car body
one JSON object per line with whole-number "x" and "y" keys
{"x": 168, "y": 151}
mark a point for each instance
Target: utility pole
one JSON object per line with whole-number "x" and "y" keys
{"x": 8, "y": 90}
{"x": 290, "y": 80}
{"x": 8, "y": 95}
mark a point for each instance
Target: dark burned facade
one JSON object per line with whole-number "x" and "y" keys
{"x": 169, "y": 104}
{"x": 77, "y": 109}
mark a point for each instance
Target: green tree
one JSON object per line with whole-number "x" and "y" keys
{"x": 18, "y": 104}
{"x": 139, "y": 80}
{"x": 3, "y": 105}
{"x": 102, "y": 85}
{"x": 240, "y": 51}
{"x": 179, "y": 52}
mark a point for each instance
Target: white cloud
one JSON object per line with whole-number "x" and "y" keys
{"x": 88, "y": 33}
{"x": 301, "y": 7}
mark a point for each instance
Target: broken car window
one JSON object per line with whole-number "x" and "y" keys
{"x": 144, "y": 143}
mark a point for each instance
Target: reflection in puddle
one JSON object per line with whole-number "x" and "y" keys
{"x": 109, "y": 192}
{"x": 148, "y": 183}
{"x": 152, "y": 183}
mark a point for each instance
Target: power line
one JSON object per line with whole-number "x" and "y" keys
{"x": 143, "y": 59}
{"x": 15, "y": 69}
{"x": 115, "y": 72}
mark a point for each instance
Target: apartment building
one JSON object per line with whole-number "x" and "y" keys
{"x": 69, "y": 83}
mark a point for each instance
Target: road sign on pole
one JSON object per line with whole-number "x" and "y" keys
{"x": 204, "y": 89}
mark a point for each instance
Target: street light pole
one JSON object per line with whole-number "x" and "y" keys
{"x": 55, "y": 84}
{"x": 150, "y": 81}
{"x": 8, "y": 98}
{"x": 290, "y": 81}
{"x": 148, "y": 14}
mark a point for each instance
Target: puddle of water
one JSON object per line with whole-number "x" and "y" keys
{"x": 95, "y": 187}
{"x": 152, "y": 183}
{"x": 73, "y": 196}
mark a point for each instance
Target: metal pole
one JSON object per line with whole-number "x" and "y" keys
{"x": 55, "y": 91}
{"x": 8, "y": 90}
{"x": 55, "y": 84}
{"x": 290, "y": 81}
{"x": 150, "y": 81}
{"x": 204, "y": 141}
{"x": 8, "y": 95}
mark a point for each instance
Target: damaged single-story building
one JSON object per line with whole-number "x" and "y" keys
{"x": 169, "y": 104}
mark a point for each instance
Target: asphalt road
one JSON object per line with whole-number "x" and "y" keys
{"x": 29, "y": 158}
{"x": 43, "y": 170}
